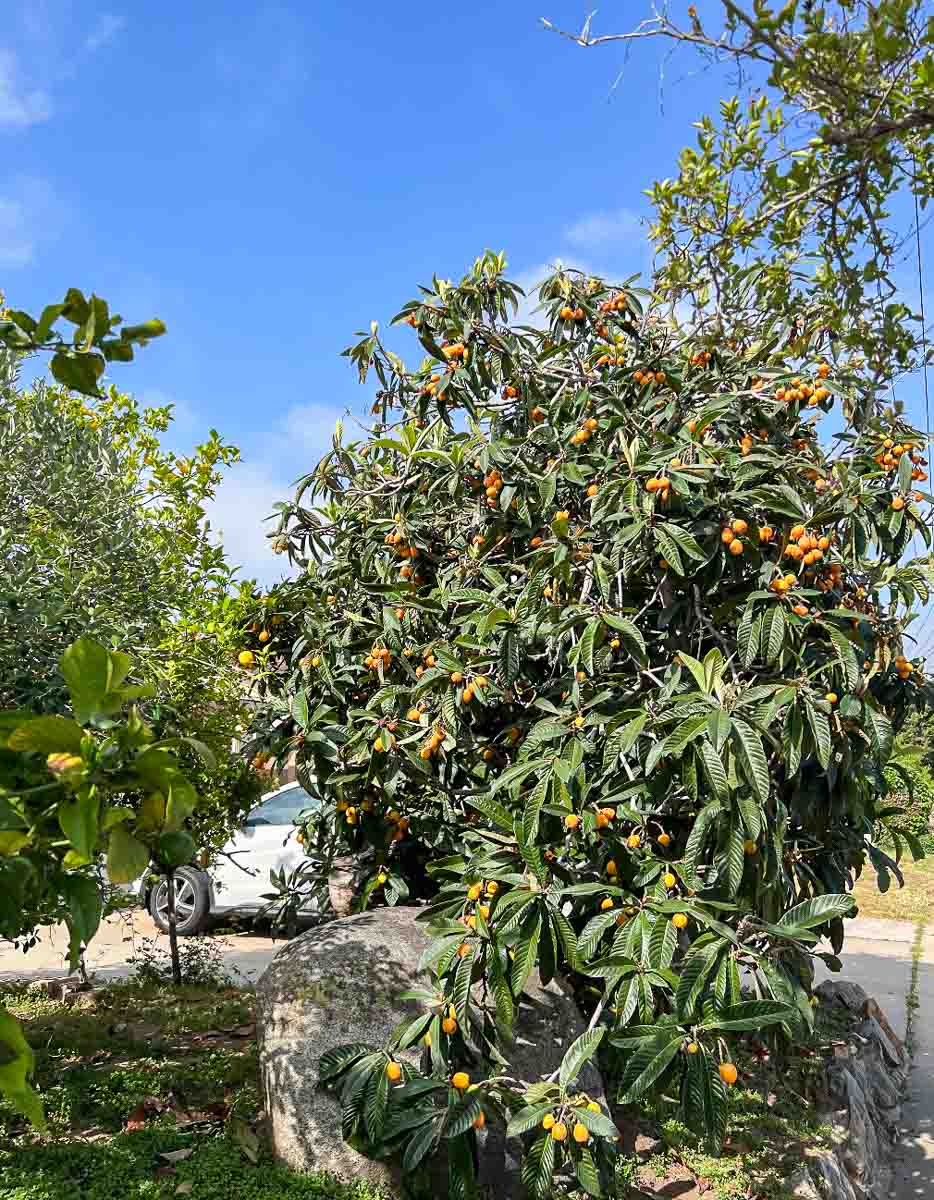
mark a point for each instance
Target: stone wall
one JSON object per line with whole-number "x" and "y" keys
{"x": 863, "y": 1086}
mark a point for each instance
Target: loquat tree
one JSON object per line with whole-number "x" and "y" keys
{"x": 593, "y": 620}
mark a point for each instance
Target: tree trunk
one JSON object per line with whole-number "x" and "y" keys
{"x": 173, "y": 931}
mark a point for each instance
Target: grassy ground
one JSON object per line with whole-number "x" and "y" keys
{"x": 138, "y": 1072}
{"x": 142, "y": 1072}
{"x": 914, "y": 902}
{"x": 768, "y": 1136}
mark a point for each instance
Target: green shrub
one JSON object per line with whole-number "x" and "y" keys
{"x": 916, "y": 805}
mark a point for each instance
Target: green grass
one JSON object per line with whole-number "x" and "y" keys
{"x": 94, "y": 1074}
{"x": 763, "y": 1146}
{"x": 914, "y": 902}
{"x": 124, "y": 1168}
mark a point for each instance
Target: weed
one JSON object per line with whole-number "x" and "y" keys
{"x": 202, "y": 962}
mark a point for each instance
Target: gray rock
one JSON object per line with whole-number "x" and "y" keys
{"x": 830, "y": 1176}
{"x": 645, "y": 1146}
{"x": 884, "y": 1081}
{"x": 842, "y": 993}
{"x": 860, "y": 1155}
{"x": 56, "y": 989}
{"x": 340, "y": 983}
{"x": 863, "y": 1084}
{"x": 801, "y": 1184}
{"x": 894, "y": 1043}
{"x": 873, "y": 1031}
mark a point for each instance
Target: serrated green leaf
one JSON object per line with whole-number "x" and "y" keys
{"x": 647, "y": 1065}
{"x": 526, "y": 952}
{"x": 818, "y": 911}
{"x": 746, "y": 636}
{"x": 538, "y": 1168}
{"x": 749, "y": 1014}
{"x": 586, "y": 1172}
{"x": 772, "y": 636}
{"x": 820, "y": 731}
{"x": 751, "y": 756}
{"x": 581, "y": 1050}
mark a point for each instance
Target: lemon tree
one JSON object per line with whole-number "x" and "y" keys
{"x": 78, "y": 355}
{"x": 595, "y": 635}
{"x": 75, "y": 791}
{"x": 104, "y": 536}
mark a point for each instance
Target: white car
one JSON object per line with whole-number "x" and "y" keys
{"x": 239, "y": 877}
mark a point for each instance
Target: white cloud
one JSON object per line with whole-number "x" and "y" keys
{"x": 20, "y": 106}
{"x": 245, "y": 497}
{"x": 604, "y": 230}
{"x": 104, "y": 31}
{"x": 27, "y": 209}
{"x": 308, "y": 427}
{"x": 266, "y": 476}
{"x": 530, "y": 279}
{"x": 17, "y": 244}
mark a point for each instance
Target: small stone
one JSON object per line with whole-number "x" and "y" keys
{"x": 830, "y": 1176}
{"x": 875, "y": 1025}
{"x": 801, "y": 1185}
{"x": 645, "y": 1146}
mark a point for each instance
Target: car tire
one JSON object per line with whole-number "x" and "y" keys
{"x": 192, "y": 902}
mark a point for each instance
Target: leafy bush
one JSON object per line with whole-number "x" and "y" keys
{"x": 103, "y": 536}
{"x": 74, "y": 790}
{"x": 202, "y": 963}
{"x": 914, "y": 798}
{"x": 596, "y": 636}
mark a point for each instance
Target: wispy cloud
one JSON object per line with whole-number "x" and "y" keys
{"x": 307, "y": 428}
{"x": 237, "y": 515}
{"x": 20, "y": 105}
{"x": 260, "y": 73}
{"x": 27, "y": 211}
{"x": 272, "y": 461}
{"x": 106, "y": 28}
{"x": 606, "y": 230}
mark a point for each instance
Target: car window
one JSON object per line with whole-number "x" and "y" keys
{"x": 284, "y": 808}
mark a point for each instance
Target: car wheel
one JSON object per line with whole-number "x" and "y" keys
{"x": 192, "y": 901}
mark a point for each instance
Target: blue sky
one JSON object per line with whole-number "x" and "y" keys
{"x": 268, "y": 178}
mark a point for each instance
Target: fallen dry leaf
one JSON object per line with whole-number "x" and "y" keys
{"x": 146, "y": 1108}
{"x": 184, "y": 1188}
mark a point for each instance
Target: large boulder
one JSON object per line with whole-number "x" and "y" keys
{"x": 340, "y": 983}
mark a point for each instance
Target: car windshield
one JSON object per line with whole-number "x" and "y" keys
{"x": 284, "y": 808}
